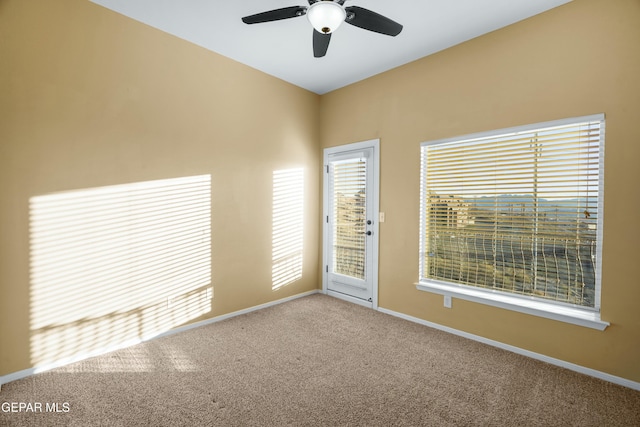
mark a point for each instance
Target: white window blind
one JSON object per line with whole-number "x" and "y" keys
{"x": 516, "y": 211}
{"x": 348, "y": 191}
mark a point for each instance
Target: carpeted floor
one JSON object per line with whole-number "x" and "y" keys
{"x": 317, "y": 361}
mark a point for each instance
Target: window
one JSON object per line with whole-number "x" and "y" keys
{"x": 348, "y": 184}
{"x": 514, "y": 217}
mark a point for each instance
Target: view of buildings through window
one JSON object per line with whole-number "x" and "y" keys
{"x": 515, "y": 213}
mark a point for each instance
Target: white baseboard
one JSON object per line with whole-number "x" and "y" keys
{"x": 83, "y": 356}
{"x": 551, "y": 360}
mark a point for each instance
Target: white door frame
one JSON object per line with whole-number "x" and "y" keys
{"x": 374, "y": 193}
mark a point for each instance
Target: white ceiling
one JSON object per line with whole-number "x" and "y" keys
{"x": 283, "y": 48}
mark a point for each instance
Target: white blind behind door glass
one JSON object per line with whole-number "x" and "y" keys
{"x": 348, "y": 186}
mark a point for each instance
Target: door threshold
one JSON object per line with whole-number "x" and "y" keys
{"x": 351, "y": 299}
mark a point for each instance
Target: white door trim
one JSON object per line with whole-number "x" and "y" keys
{"x": 374, "y": 144}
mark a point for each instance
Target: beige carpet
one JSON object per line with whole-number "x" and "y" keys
{"x": 318, "y": 361}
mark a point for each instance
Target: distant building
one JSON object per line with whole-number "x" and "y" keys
{"x": 450, "y": 211}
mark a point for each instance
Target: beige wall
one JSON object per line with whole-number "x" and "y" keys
{"x": 578, "y": 59}
{"x": 89, "y": 98}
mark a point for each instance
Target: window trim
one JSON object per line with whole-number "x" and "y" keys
{"x": 582, "y": 316}
{"x": 521, "y": 304}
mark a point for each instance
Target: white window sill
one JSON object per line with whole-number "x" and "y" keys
{"x": 576, "y": 316}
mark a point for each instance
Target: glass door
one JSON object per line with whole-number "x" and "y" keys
{"x": 350, "y": 226}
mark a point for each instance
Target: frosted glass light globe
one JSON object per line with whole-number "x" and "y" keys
{"x": 326, "y": 16}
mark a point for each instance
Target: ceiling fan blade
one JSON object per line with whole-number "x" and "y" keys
{"x": 275, "y": 15}
{"x": 364, "y": 18}
{"x": 320, "y": 43}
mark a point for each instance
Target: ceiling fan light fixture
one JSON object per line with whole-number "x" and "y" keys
{"x": 326, "y": 16}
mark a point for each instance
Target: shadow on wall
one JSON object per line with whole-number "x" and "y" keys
{"x": 288, "y": 227}
{"x": 112, "y": 266}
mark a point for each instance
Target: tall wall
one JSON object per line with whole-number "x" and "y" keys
{"x": 90, "y": 99}
{"x": 578, "y": 59}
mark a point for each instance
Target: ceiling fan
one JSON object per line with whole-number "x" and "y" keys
{"x": 325, "y": 17}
